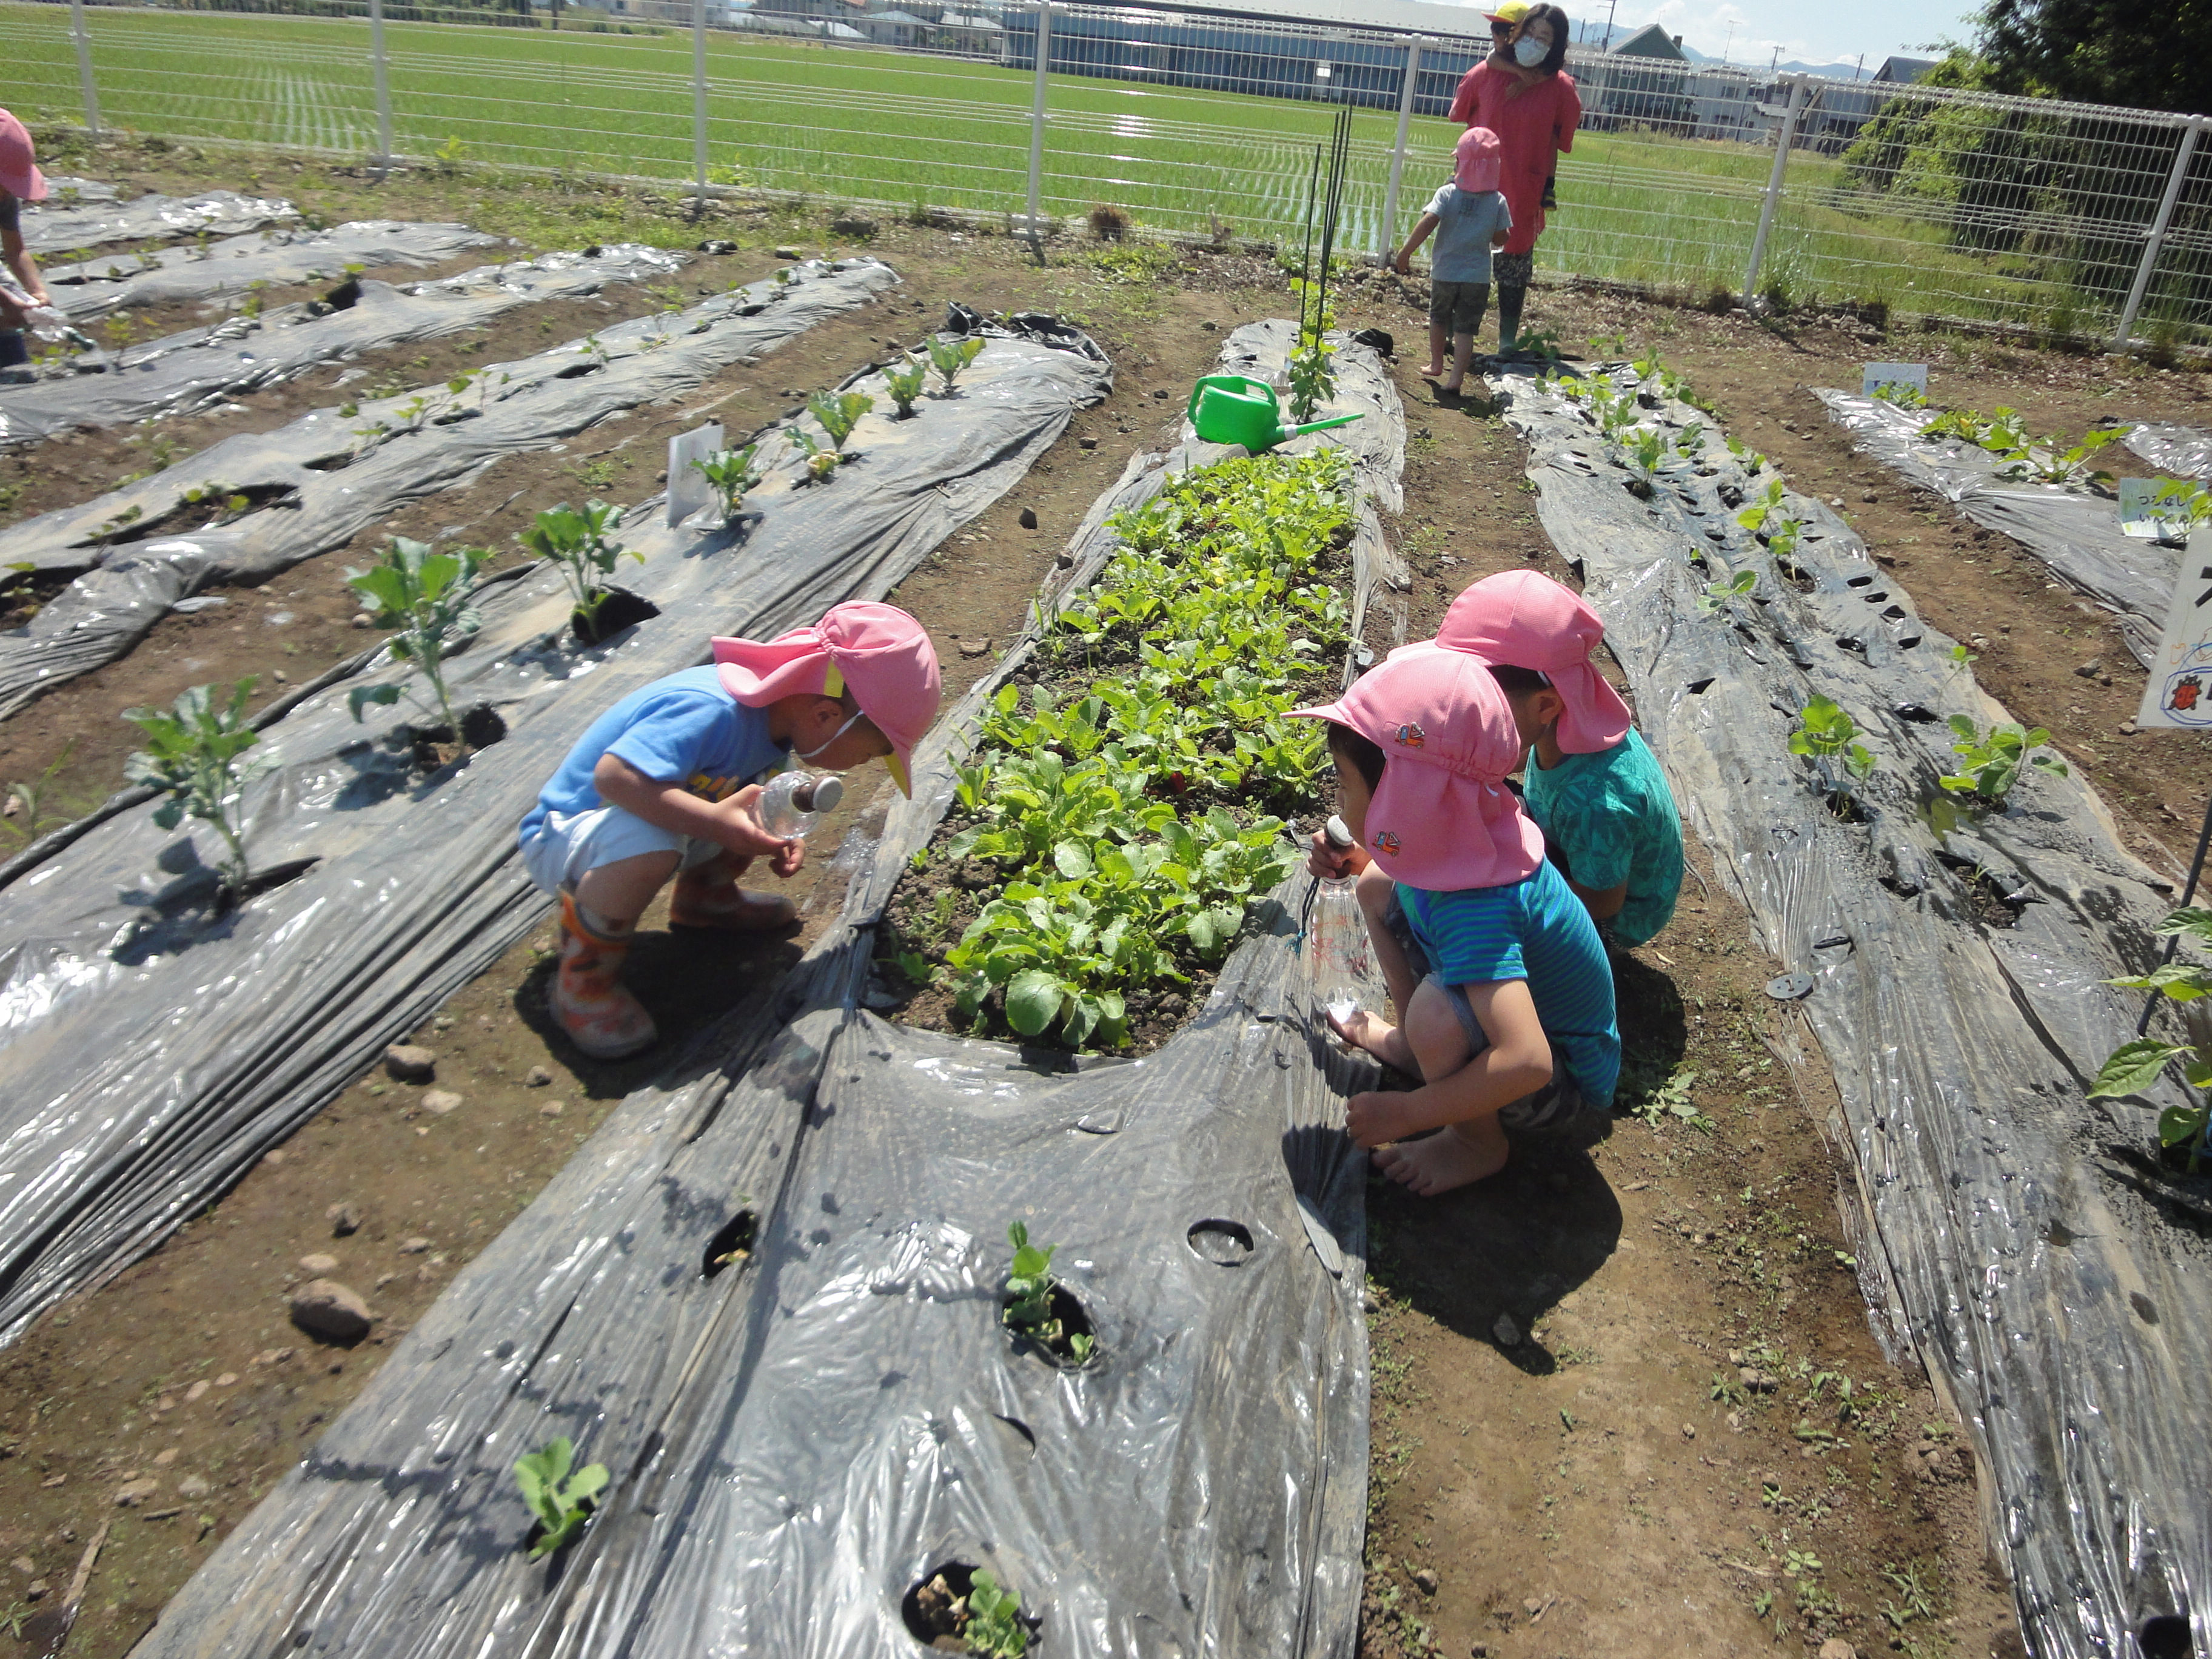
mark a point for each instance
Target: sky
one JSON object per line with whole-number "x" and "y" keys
{"x": 1749, "y": 31}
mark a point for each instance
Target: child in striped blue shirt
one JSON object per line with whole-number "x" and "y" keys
{"x": 1504, "y": 993}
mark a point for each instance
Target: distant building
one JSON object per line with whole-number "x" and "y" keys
{"x": 1897, "y": 71}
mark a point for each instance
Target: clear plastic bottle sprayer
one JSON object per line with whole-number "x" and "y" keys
{"x": 793, "y": 800}
{"x": 1342, "y": 961}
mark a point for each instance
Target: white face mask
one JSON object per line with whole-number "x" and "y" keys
{"x": 809, "y": 754}
{"x": 1528, "y": 52}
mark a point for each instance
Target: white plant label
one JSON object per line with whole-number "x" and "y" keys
{"x": 2179, "y": 693}
{"x": 1878, "y": 375}
{"x": 688, "y": 492}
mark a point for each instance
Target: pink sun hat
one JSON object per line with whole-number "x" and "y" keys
{"x": 1523, "y": 619}
{"x": 1441, "y": 819}
{"x": 1477, "y": 158}
{"x": 878, "y": 652}
{"x": 19, "y": 167}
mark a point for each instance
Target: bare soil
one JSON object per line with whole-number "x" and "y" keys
{"x": 1597, "y": 1474}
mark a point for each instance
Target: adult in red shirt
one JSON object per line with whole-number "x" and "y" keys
{"x": 1520, "y": 94}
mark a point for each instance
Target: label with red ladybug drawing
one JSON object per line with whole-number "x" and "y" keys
{"x": 2179, "y": 693}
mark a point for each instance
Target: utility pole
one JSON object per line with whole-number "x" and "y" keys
{"x": 1609, "y": 11}
{"x": 1731, "y": 41}
{"x": 1776, "y": 60}
{"x": 1856, "y": 67}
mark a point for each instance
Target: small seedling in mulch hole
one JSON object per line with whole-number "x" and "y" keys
{"x": 1829, "y": 736}
{"x": 1719, "y": 593}
{"x": 1042, "y": 1311}
{"x": 2136, "y": 1067}
{"x": 561, "y": 1501}
{"x": 820, "y": 462}
{"x": 905, "y": 381}
{"x": 425, "y": 597}
{"x": 950, "y": 356}
{"x": 839, "y": 412}
{"x": 732, "y": 1242}
{"x": 961, "y": 1609}
{"x": 1994, "y": 758}
{"x": 731, "y": 472}
{"x": 192, "y": 752}
{"x": 582, "y": 547}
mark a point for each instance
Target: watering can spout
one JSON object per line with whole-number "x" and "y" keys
{"x": 1317, "y": 426}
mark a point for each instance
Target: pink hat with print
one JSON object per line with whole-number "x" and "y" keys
{"x": 1442, "y": 818}
{"x": 877, "y": 652}
{"x": 1523, "y": 619}
{"x": 19, "y": 167}
{"x": 1476, "y": 160}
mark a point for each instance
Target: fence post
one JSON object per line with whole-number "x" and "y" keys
{"x": 699, "y": 103}
{"x": 1398, "y": 154}
{"x": 2155, "y": 243}
{"x": 84, "y": 67}
{"x": 1773, "y": 187}
{"x": 382, "y": 89}
{"x": 1036, "y": 126}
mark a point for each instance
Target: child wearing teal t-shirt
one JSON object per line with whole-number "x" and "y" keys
{"x": 1592, "y": 784}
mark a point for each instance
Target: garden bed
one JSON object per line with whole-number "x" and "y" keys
{"x": 1134, "y": 788}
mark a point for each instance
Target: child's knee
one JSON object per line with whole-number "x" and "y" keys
{"x": 1433, "y": 1031}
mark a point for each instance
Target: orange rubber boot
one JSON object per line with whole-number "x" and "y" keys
{"x": 594, "y": 1007}
{"x": 726, "y": 907}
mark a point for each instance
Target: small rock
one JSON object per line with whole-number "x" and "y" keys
{"x": 225, "y": 1379}
{"x": 1029, "y": 519}
{"x": 272, "y": 1158}
{"x": 1160, "y": 392}
{"x": 1064, "y": 559}
{"x": 1835, "y": 1648}
{"x": 975, "y": 647}
{"x": 552, "y": 1109}
{"x": 537, "y": 1078}
{"x": 2089, "y": 670}
{"x": 196, "y": 1391}
{"x": 1367, "y": 1304}
{"x": 24, "y": 1565}
{"x": 1689, "y": 1431}
{"x": 37, "y": 1587}
{"x": 1211, "y": 327}
{"x": 382, "y": 1280}
{"x": 1086, "y": 443}
{"x": 717, "y": 245}
{"x": 335, "y": 1312}
{"x": 316, "y": 1266}
{"x": 1532, "y": 1606}
{"x": 1835, "y": 501}
{"x": 53, "y": 1480}
{"x": 789, "y": 253}
{"x": 1507, "y": 1332}
{"x": 131, "y": 1493}
{"x": 193, "y": 1486}
{"x": 164, "y": 1457}
{"x": 344, "y": 1219}
{"x": 2127, "y": 728}
{"x": 853, "y": 225}
{"x": 413, "y": 1246}
{"x": 275, "y": 1356}
{"x": 1425, "y": 1580}
{"x": 280, "y": 677}
{"x": 409, "y": 1064}
{"x": 1870, "y": 498}
{"x": 439, "y": 1101}
{"x": 361, "y": 619}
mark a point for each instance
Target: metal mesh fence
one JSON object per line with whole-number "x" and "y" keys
{"x": 2063, "y": 219}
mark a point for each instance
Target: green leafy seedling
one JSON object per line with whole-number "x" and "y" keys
{"x": 1719, "y": 593}
{"x": 558, "y": 1499}
{"x": 192, "y": 753}
{"x": 1825, "y": 732}
{"x": 1313, "y": 380}
{"x": 1993, "y": 759}
{"x": 731, "y": 472}
{"x": 820, "y": 462}
{"x": 2178, "y": 506}
{"x": 906, "y": 382}
{"x": 995, "y": 1625}
{"x": 950, "y": 356}
{"x": 839, "y": 413}
{"x": 424, "y": 596}
{"x": 1029, "y": 1286}
{"x": 582, "y": 546}
{"x": 2135, "y": 1066}
{"x": 1903, "y": 393}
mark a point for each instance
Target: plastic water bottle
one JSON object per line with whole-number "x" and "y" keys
{"x": 1341, "y": 956}
{"x": 793, "y": 800}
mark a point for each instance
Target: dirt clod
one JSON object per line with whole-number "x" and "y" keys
{"x": 335, "y": 1312}
{"x": 344, "y": 1219}
{"x": 439, "y": 1101}
{"x": 409, "y": 1063}
{"x": 131, "y": 1493}
{"x": 319, "y": 1265}
{"x": 538, "y": 1077}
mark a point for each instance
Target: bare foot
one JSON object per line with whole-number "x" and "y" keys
{"x": 1433, "y": 372}
{"x": 1378, "y": 1038}
{"x": 1449, "y": 388}
{"x": 1446, "y": 1160}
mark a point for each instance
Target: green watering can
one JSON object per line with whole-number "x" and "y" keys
{"x": 1229, "y": 409}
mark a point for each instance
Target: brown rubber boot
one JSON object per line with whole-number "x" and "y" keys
{"x": 594, "y": 1007}
{"x": 727, "y": 908}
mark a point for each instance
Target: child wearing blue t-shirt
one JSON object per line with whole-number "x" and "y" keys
{"x": 1503, "y": 991}
{"x": 1469, "y": 218}
{"x": 667, "y": 783}
{"x": 1593, "y": 785}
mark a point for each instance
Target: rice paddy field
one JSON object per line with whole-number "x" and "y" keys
{"x": 908, "y": 131}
